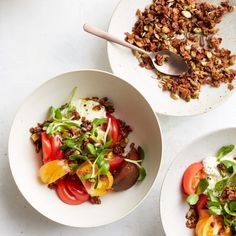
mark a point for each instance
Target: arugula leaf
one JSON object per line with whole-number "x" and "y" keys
{"x": 104, "y": 168}
{"x": 72, "y": 96}
{"x": 229, "y": 165}
{"x": 108, "y": 143}
{"x": 142, "y": 174}
{"x": 219, "y": 186}
{"x": 228, "y": 211}
{"x": 214, "y": 210}
{"x": 141, "y": 153}
{"x": 71, "y": 143}
{"x": 223, "y": 151}
{"x": 85, "y": 177}
{"x": 96, "y": 182}
{"x": 78, "y": 157}
{"x": 232, "y": 206}
{"x": 58, "y": 114}
{"x": 99, "y": 121}
{"x": 212, "y": 196}
{"x": 91, "y": 149}
{"x": 232, "y": 180}
{"x": 210, "y": 204}
{"x": 192, "y": 199}
{"x": 202, "y": 186}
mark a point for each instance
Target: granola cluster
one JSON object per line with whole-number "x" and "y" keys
{"x": 185, "y": 27}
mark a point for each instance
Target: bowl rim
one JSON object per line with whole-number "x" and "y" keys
{"x": 114, "y": 77}
{"x": 198, "y": 138}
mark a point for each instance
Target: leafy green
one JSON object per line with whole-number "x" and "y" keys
{"x": 104, "y": 168}
{"x": 223, "y": 151}
{"x": 219, "y": 186}
{"x": 202, "y": 186}
{"x": 232, "y": 180}
{"x": 192, "y": 199}
{"x": 228, "y": 211}
{"x": 85, "y": 177}
{"x": 91, "y": 149}
{"x": 214, "y": 210}
{"x": 142, "y": 174}
{"x": 99, "y": 121}
{"x": 232, "y": 206}
{"x": 58, "y": 114}
{"x": 229, "y": 165}
{"x": 212, "y": 196}
{"x": 108, "y": 142}
{"x": 78, "y": 157}
{"x": 141, "y": 153}
{"x": 71, "y": 143}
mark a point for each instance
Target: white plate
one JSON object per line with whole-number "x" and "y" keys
{"x": 130, "y": 106}
{"x": 124, "y": 64}
{"x": 173, "y": 206}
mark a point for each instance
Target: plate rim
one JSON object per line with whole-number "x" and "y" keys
{"x": 176, "y": 158}
{"x": 208, "y": 109}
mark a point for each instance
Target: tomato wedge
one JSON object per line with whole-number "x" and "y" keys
{"x": 115, "y": 161}
{"x": 114, "y": 129}
{"x": 71, "y": 191}
{"x": 56, "y": 143}
{"x": 201, "y": 204}
{"x": 51, "y": 147}
{"x": 191, "y": 178}
{"x": 46, "y": 147}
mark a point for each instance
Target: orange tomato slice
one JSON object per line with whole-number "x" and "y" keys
{"x": 104, "y": 183}
{"x": 53, "y": 170}
{"x": 212, "y": 226}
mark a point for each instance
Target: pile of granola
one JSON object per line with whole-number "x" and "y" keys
{"x": 185, "y": 27}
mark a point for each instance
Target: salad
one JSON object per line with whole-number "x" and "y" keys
{"x": 85, "y": 151}
{"x": 210, "y": 186}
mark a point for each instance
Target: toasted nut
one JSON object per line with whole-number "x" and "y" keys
{"x": 187, "y": 14}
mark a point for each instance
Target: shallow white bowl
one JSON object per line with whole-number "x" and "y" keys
{"x": 130, "y": 106}
{"x": 173, "y": 206}
{"x": 124, "y": 64}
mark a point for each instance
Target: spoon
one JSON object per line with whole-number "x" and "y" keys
{"x": 174, "y": 65}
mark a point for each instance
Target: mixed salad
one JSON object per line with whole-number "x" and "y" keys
{"x": 210, "y": 186}
{"x": 85, "y": 152}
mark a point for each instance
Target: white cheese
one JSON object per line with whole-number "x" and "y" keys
{"x": 210, "y": 168}
{"x": 85, "y": 109}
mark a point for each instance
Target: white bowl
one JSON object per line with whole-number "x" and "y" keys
{"x": 173, "y": 205}
{"x": 130, "y": 106}
{"x": 124, "y": 64}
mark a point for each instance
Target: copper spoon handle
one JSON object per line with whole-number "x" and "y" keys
{"x": 111, "y": 38}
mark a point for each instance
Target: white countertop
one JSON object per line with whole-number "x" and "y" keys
{"x": 43, "y": 38}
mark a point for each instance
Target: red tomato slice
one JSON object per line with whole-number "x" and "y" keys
{"x": 75, "y": 186}
{"x": 115, "y": 162}
{"x": 76, "y": 196}
{"x": 46, "y": 147}
{"x": 57, "y": 153}
{"x": 203, "y": 198}
{"x": 114, "y": 129}
{"x": 191, "y": 178}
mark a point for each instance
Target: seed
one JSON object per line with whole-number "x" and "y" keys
{"x": 209, "y": 54}
{"x": 197, "y": 30}
{"x": 187, "y": 14}
{"x": 174, "y": 96}
{"x": 193, "y": 54}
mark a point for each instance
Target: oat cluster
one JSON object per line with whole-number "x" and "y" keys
{"x": 188, "y": 28}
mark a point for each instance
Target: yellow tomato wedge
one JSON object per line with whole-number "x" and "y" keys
{"x": 104, "y": 183}
{"x": 212, "y": 226}
{"x": 53, "y": 170}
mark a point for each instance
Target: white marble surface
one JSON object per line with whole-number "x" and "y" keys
{"x": 40, "y": 39}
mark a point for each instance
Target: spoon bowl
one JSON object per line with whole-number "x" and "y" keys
{"x": 174, "y": 65}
